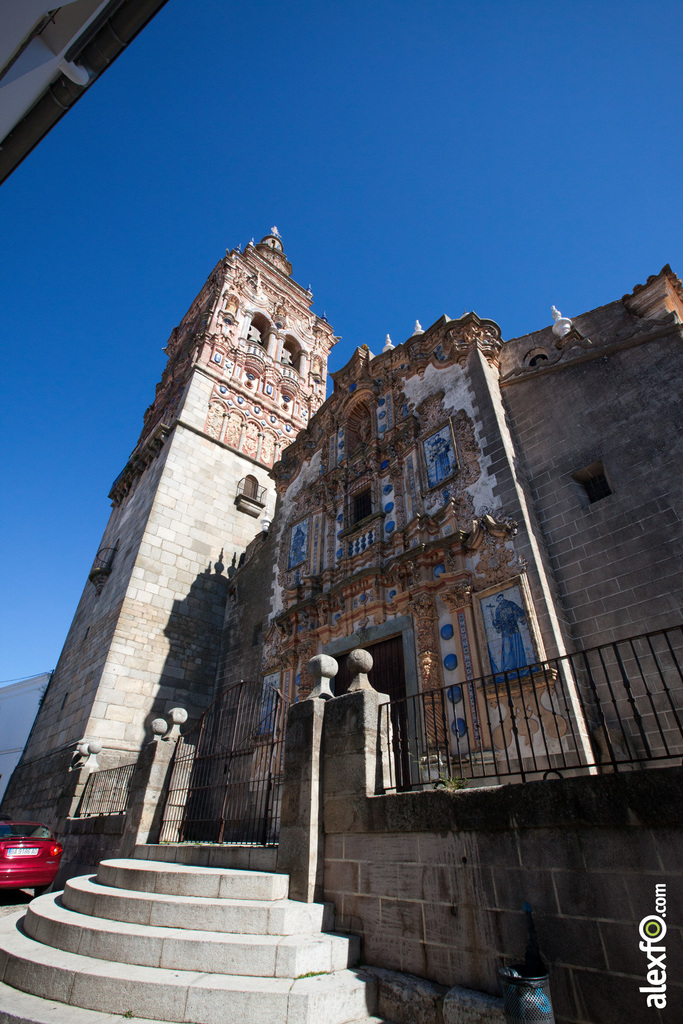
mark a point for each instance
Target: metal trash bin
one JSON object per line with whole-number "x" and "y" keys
{"x": 525, "y": 998}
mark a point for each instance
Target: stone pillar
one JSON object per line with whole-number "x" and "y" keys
{"x": 149, "y": 785}
{"x": 334, "y": 761}
{"x": 353, "y": 751}
{"x": 301, "y": 847}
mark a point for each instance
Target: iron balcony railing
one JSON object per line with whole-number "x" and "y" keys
{"x": 227, "y": 772}
{"x": 248, "y": 488}
{"x": 614, "y": 707}
{"x": 106, "y": 792}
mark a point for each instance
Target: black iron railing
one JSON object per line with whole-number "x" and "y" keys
{"x": 106, "y": 792}
{"x": 248, "y": 487}
{"x": 614, "y": 707}
{"x": 227, "y": 772}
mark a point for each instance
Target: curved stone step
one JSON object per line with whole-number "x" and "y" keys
{"x": 188, "y": 880}
{"x": 22, "y": 1008}
{"x": 249, "y": 917}
{"x": 184, "y": 997}
{"x": 265, "y": 956}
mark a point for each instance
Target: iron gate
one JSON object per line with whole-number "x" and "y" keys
{"x": 227, "y": 772}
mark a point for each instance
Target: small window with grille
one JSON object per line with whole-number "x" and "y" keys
{"x": 362, "y": 505}
{"x": 594, "y": 481}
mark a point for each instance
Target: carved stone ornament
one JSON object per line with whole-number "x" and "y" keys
{"x": 497, "y": 563}
{"x": 487, "y": 524}
{"x": 425, "y": 620}
{"x": 431, "y": 411}
{"x": 458, "y": 595}
{"x": 214, "y": 420}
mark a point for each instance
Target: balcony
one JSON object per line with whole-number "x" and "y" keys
{"x": 362, "y": 535}
{"x": 255, "y": 352}
{"x": 250, "y": 498}
{"x": 102, "y": 566}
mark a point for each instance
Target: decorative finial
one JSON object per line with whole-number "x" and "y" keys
{"x": 562, "y": 325}
{"x": 418, "y": 329}
{"x": 274, "y": 231}
{"x": 388, "y": 345}
{"x": 323, "y": 668}
{"x": 359, "y": 663}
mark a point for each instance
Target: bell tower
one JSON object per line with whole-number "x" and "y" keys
{"x": 246, "y": 370}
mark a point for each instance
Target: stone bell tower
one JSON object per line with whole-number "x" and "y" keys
{"x": 246, "y": 370}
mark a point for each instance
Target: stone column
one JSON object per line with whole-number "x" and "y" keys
{"x": 301, "y": 843}
{"x": 149, "y": 785}
{"x": 301, "y": 849}
{"x": 353, "y": 752}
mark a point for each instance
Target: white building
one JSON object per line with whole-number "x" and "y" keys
{"x": 19, "y": 703}
{"x": 50, "y": 54}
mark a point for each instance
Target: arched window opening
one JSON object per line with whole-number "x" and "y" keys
{"x": 250, "y": 498}
{"x": 258, "y": 330}
{"x": 291, "y": 354}
{"x": 536, "y": 357}
{"x": 250, "y": 486}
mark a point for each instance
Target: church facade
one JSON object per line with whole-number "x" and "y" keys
{"x": 461, "y": 506}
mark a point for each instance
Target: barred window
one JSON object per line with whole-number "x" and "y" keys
{"x": 362, "y": 505}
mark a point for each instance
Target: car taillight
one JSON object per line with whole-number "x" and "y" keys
{"x": 55, "y": 849}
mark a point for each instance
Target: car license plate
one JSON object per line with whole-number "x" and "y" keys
{"x": 22, "y": 851}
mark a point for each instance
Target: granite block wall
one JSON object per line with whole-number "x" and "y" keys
{"x": 435, "y": 885}
{"x": 617, "y": 561}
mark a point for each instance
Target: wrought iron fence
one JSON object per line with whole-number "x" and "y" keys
{"x": 614, "y": 707}
{"x": 106, "y": 792}
{"x": 227, "y": 772}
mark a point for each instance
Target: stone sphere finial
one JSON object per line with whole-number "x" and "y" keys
{"x": 360, "y": 663}
{"x": 177, "y": 717}
{"x": 159, "y": 727}
{"x": 323, "y": 668}
{"x": 92, "y": 749}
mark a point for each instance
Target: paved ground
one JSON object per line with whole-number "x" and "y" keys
{"x": 14, "y": 899}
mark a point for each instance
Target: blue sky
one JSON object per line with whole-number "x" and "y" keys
{"x": 419, "y": 158}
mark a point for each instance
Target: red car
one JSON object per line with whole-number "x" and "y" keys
{"x": 29, "y": 855}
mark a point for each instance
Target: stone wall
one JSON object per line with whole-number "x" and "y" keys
{"x": 616, "y": 561}
{"x": 435, "y": 881}
{"x": 246, "y": 615}
{"x": 436, "y": 886}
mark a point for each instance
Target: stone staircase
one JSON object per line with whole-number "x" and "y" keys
{"x": 173, "y": 942}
